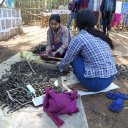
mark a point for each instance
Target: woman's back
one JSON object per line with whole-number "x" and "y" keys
{"x": 90, "y": 54}
{"x": 97, "y": 55}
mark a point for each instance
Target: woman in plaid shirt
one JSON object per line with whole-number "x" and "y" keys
{"x": 58, "y": 37}
{"x": 90, "y": 54}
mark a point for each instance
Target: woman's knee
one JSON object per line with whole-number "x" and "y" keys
{"x": 78, "y": 67}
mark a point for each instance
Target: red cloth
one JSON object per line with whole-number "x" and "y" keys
{"x": 85, "y": 4}
{"x": 59, "y": 103}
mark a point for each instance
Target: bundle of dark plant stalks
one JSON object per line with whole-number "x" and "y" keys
{"x": 13, "y": 91}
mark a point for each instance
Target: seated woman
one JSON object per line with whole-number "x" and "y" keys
{"x": 58, "y": 37}
{"x": 90, "y": 54}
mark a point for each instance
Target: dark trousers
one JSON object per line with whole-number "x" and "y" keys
{"x": 106, "y": 18}
{"x": 56, "y": 46}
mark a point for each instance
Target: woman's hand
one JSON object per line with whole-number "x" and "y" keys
{"x": 53, "y": 53}
{"x": 46, "y": 53}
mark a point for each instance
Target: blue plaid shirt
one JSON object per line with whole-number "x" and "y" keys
{"x": 97, "y": 55}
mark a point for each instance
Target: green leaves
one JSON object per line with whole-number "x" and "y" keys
{"x": 30, "y": 56}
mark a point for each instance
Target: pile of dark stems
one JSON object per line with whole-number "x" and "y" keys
{"x": 39, "y": 48}
{"x": 14, "y": 82}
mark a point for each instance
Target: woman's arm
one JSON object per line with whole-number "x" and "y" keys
{"x": 72, "y": 52}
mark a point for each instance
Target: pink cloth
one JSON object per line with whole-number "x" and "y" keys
{"x": 121, "y": 20}
{"x": 116, "y": 20}
{"x": 59, "y": 103}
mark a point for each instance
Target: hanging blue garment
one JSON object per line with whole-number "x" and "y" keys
{"x": 124, "y": 8}
{"x": 90, "y": 5}
{"x": 126, "y": 20}
{"x": 9, "y": 3}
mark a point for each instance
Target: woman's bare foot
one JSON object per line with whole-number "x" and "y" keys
{"x": 77, "y": 86}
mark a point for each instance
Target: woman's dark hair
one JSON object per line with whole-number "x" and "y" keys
{"x": 55, "y": 17}
{"x": 85, "y": 19}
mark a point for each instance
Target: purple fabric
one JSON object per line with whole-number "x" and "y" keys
{"x": 56, "y": 103}
{"x": 115, "y": 21}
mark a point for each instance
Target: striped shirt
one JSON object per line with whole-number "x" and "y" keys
{"x": 97, "y": 55}
{"x": 62, "y": 36}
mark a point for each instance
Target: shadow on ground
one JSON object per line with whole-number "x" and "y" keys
{"x": 98, "y": 114}
{"x": 6, "y": 52}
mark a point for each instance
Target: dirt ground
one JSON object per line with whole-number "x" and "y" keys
{"x": 96, "y": 106}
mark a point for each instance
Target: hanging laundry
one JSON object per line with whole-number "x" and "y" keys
{"x": 10, "y": 3}
{"x": 124, "y": 8}
{"x": 121, "y": 19}
{"x": 117, "y": 14}
{"x": 85, "y": 3}
{"x": 91, "y": 5}
{"x": 118, "y": 7}
{"x": 115, "y": 21}
{"x": 126, "y": 20}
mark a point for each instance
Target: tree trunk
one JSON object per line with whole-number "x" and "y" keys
{"x": 2, "y": 3}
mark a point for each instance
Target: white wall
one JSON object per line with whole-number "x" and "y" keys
{"x": 10, "y": 23}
